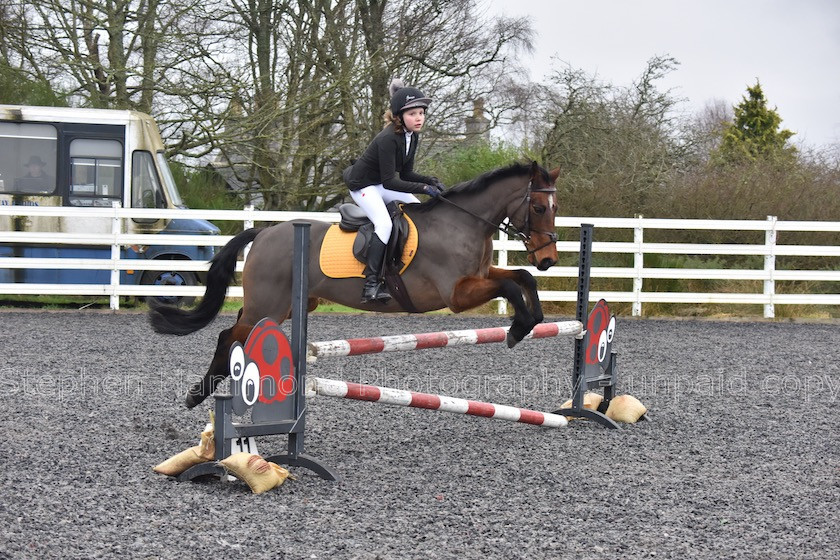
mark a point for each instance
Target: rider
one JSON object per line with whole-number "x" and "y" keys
{"x": 385, "y": 172}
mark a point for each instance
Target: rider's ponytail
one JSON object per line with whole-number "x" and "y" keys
{"x": 391, "y": 119}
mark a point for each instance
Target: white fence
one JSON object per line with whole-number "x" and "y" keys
{"x": 637, "y": 274}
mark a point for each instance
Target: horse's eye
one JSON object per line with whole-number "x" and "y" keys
{"x": 539, "y": 209}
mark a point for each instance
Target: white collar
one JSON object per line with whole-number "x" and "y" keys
{"x": 408, "y": 141}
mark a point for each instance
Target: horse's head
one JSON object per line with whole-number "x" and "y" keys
{"x": 528, "y": 204}
{"x": 540, "y": 236}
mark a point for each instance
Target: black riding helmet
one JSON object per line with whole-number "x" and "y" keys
{"x": 403, "y": 98}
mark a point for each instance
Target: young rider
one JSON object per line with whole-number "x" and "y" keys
{"x": 385, "y": 172}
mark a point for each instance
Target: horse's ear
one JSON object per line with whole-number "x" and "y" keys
{"x": 535, "y": 168}
{"x": 554, "y": 174}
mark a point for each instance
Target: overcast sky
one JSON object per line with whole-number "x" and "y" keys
{"x": 791, "y": 46}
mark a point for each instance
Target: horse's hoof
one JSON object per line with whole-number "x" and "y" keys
{"x": 517, "y": 332}
{"x": 192, "y": 400}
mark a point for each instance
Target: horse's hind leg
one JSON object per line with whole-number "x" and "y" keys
{"x": 218, "y": 369}
{"x": 472, "y": 291}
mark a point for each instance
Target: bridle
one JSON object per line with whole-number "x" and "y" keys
{"x": 507, "y": 226}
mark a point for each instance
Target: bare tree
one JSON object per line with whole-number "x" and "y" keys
{"x": 456, "y": 53}
{"x": 106, "y": 54}
{"x": 290, "y": 96}
{"x": 702, "y": 133}
{"x": 320, "y": 83}
{"x": 285, "y": 91}
{"x": 616, "y": 146}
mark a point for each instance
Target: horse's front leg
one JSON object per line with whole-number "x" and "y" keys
{"x": 528, "y": 285}
{"x": 472, "y": 291}
{"x": 219, "y": 368}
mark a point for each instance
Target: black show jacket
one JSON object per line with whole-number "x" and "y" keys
{"x": 385, "y": 162}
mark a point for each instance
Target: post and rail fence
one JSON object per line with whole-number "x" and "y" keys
{"x": 635, "y": 251}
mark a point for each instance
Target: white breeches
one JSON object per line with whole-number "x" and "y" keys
{"x": 373, "y": 199}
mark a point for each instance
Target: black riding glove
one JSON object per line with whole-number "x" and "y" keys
{"x": 432, "y": 190}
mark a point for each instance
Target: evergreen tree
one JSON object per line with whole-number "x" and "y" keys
{"x": 755, "y": 133}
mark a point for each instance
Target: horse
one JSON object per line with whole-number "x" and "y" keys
{"x": 452, "y": 267}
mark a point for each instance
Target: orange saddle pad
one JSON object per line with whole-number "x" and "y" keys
{"x": 337, "y": 259}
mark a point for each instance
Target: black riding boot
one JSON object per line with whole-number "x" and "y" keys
{"x": 375, "y": 289}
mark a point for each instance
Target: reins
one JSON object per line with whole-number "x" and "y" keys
{"x": 507, "y": 226}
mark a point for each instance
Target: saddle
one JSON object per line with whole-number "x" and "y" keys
{"x": 353, "y": 219}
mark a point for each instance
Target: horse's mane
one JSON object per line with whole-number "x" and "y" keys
{"x": 480, "y": 183}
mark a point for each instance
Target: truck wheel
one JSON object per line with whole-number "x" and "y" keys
{"x": 170, "y": 278}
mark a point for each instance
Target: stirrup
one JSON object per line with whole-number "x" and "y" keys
{"x": 382, "y": 294}
{"x": 370, "y": 291}
{"x": 375, "y": 292}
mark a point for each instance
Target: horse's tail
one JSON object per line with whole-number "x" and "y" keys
{"x": 167, "y": 319}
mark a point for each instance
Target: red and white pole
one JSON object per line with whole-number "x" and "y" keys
{"x": 400, "y": 397}
{"x": 442, "y": 339}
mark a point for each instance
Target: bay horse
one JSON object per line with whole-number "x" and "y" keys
{"x": 451, "y": 269}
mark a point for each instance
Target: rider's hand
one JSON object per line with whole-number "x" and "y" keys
{"x": 432, "y": 190}
{"x": 437, "y": 182}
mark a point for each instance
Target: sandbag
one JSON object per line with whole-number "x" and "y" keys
{"x": 260, "y": 475}
{"x": 591, "y": 401}
{"x": 187, "y": 458}
{"x": 201, "y": 453}
{"x": 208, "y": 442}
{"x": 625, "y": 408}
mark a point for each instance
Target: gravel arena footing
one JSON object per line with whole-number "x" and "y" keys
{"x": 740, "y": 458}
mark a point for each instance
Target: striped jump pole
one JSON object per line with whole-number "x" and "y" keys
{"x": 442, "y": 339}
{"x": 400, "y": 397}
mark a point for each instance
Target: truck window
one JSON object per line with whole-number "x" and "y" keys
{"x": 145, "y": 185}
{"x": 95, "y": 172}
{"x": 169, "y": 180}
{"x": 27, "y": 158}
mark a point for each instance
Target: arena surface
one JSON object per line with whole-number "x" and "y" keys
{"x": 740, "y": 460}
